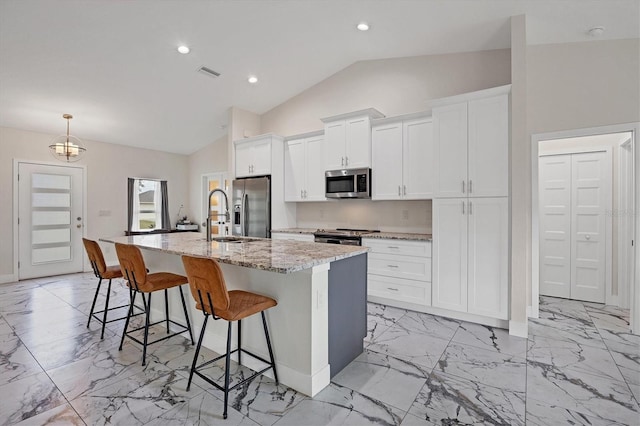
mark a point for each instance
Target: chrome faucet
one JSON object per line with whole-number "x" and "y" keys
{"x": 225, "y": 214}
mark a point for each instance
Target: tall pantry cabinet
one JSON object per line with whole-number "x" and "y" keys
{"x": 471, "y": 204}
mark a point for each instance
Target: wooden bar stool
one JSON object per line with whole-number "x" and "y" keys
{"x": 208, "y": 288}
{"x": 140, "y": 281}
{"x": 102, "y": 272}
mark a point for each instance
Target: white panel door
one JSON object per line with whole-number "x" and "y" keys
{"x": 450, "y": 154}
{"x": 294, "y": 170}
{"x": 314, "y": 189}
{"x": 334, "y": 136}
{"x": 488, "y": 282}
{"x": 358, "y": 143}
{"x": 50, "y": 200}
{"x": 387, "y": 162}
{"x": 450, "y": 254}
{"x": 555, "y": 225}
{"x": 418, "y": 159}
{"x": 489, "y": 147}
{"x": 591, "y": 200}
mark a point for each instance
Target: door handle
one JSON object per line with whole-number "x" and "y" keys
{"x": 79, "y": 226}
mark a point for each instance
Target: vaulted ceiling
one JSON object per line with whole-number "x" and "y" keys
{"x": 114, "y": 64}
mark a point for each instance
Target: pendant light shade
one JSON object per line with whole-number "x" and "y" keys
{"x": 67, "y": 148}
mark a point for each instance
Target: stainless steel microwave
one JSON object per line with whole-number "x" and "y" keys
{"x": 348, "y": 183}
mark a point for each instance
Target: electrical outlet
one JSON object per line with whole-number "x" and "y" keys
{"x": 405, "y": 214}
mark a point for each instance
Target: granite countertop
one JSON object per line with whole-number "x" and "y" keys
{"x": 380, "y": 235}
{"x": 399, "y": 236}
{"x": 295, "y": 230}
{"x": 258, "y": 253}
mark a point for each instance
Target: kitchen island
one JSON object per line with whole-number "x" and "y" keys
{"x": 319, "y": 324}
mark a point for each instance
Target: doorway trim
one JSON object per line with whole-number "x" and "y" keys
{"x": 634, "y": 129}
{"x": 16, "y": 235}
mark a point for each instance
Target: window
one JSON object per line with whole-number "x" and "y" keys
{"x": 148, "y": 205}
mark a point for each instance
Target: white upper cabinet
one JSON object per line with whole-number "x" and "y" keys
{"x": 472, "y": 148}
{"x": 303, "y": 169}
{"x": 402, "y": 159}
{"x": 348, "y": 140}
{"x": 386, "y": 172}
{"x": 253, "y": 156}
{"x": 489, "y": 147}
{"x": 450, "y": 137}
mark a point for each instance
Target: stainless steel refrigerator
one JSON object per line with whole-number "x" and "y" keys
{"x": 252, "y": 207}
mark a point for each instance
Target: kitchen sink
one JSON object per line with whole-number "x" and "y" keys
{"x": 234, "y": 239}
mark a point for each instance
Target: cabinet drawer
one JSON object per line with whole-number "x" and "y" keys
{"x": 292, "y": 237}
{"x": 399, "y": 247}
{"x": 399, "y": 289}
{"x": 413, "y": 268}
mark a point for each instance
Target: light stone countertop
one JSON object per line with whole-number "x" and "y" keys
{"x": 258, "y": 253}
{"x": 380, "y": 235}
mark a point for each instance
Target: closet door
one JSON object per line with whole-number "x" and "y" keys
{"x": 591, "y": 198}
{"x": 555, "y": 225}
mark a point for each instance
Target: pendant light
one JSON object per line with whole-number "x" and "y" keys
{"x": 67, "y": 147}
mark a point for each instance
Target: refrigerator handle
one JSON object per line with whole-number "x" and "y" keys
{"x": 243, "y": 228}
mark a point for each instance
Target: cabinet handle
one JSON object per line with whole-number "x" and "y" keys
{"x": 392, "y": 289}
{"x": 470, "y": 186}
{"x": 305, "y": 193}
{"x": 463, "y": 207}
{"x": 470, "y": 208}
{"x": 342, "y": 161}
{"x": 463, "y": 187}
{"x": 392, "y": 266}
{"x": 301, "y": 194}
{"x": 399, "y": 193}
{"x": 346, "y": 161}
{"x": 404, "y": 188}
{"x": 393, "y": 247}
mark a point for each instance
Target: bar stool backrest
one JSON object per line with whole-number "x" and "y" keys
{"x": 205, "y": 276}
{"x": 95, "y": 257}
{"x": 132, "y": 266}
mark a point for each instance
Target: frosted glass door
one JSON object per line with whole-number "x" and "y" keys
{"x": 50, "y": 220}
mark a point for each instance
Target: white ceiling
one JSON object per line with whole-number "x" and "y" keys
{"x": 114, "y": 64}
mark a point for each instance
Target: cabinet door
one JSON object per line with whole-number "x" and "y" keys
{"x": 387, "y": 162}
{"x": 417, "y": 176}
{"x": 261, "y": 158}
{"x": 294, "y": 173}
{"x": 450, "y": 254}
{"x": 489, "y": 147}
{"x": 450, "y": 156}
{"x": 488, "y": 280}
{"x": 314, "y": 187}
{"x": 244, "y": 159}
{"x": 334, "y": 136}
{"x": 358, "y": 143}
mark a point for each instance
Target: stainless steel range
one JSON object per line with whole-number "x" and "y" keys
{"x": 346, "y": 236}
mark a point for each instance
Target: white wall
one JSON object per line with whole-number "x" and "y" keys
{"x": 393, "y": 86}
{"x": 577, "y": 86}
{"x": 108, "y": 167}
{"x": 210, "y": 159}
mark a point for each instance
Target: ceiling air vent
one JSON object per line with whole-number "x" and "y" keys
{"x": 208, "y": 71}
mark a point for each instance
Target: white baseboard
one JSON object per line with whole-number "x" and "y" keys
{"x": 8, "y": 278}
{"x": 519, "y": 329}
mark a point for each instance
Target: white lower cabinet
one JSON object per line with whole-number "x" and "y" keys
{"x": 292, "y": 237}
{"x": 399, "y": 270}
{"x": 470, "y": 255}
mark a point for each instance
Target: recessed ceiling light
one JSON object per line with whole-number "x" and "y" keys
{"x": 363, "y": 26}
{"x": 596, "y": 31}
{"x": 184, "y": 49}
{"x": 252, "y": 79}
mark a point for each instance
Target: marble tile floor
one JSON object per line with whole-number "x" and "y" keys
{"x": 578, "y": 366}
